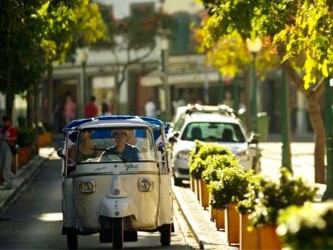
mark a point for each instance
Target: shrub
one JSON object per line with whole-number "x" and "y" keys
{"x": 201, "y": 153}
{"x": 231, "y": 186}
{"x": 307, "y": 227}
{"x": 273, "y": 197}
{"x": 25, "y": 137}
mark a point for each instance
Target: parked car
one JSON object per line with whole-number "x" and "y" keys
{"x": 211, "y": 124}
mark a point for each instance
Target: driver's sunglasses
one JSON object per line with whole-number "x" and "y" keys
{"x": 119, "y": 136}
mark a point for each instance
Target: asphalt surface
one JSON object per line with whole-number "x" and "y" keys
{"x": 203, "y": 230}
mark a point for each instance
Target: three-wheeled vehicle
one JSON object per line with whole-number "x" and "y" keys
{"x": 115, "y": 186}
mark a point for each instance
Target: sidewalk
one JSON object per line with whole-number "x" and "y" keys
{"x": 26, "y": 174}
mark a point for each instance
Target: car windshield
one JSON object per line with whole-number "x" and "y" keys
{"x": 115, "y": 145}
{"x": 213, "y": 132}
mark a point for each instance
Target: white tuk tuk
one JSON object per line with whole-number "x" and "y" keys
{"x": 116, "y": 179}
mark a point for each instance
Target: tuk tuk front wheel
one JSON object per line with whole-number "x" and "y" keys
{"x": 165, "y": 234}
{"x": 117, "y": 233}
{"x": 72, "y": 242}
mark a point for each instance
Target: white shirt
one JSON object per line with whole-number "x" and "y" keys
{"x": 150, "y": 108}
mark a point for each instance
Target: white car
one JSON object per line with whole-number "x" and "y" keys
{"x": 213, "y": 124}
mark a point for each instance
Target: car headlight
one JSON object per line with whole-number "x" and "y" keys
{"x": 87, "y": 187}
{"x": 145, "y": 185}
{"x": 243, "y": 156}
{"x": 183, "y": 155}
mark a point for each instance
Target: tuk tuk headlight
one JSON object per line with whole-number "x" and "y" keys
{"x": 145, "y": 185}
{"x": 87, "y": 187}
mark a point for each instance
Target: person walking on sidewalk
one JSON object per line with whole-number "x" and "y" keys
{"x": 91, "y": 109}
{"x": 8, "y": 136}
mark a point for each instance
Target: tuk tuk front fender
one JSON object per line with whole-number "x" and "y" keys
{"x": 118, "y": 208}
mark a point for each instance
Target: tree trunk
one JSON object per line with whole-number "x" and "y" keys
{"x": 313, "y": 97}
{"x": 320, "y": 135}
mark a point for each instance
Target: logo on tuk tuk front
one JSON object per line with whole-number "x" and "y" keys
{"x": 131, "y": 166}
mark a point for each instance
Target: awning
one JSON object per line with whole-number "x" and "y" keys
{"x": 155, "y": 78}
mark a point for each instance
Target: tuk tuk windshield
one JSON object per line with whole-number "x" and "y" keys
{"x": 115, "y": 145}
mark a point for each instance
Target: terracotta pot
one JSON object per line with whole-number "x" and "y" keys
{"x": 232, "y": 224}
{"x": 247, "y": 239}
{"x": 268, "y": 238}
{"x": 197, "y": 188}
{"x": 192, "y": 183}
{"x": 24, "y": 156}
{"x": 212, "y": 210}
{"x": 204, "y": 194}
{"x": 220, "y": 219}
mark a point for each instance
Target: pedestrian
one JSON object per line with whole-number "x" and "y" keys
{"x": 91, "y": 109}
{"x": 105, "y": 109}
{"x": 8, "y": 137}
{"x": 150, "y": 108}
{"x": 69, "y": 108}
{"x": 228, "y": 99}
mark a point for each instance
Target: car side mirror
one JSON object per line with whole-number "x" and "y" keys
{"x": 255, "y": 138}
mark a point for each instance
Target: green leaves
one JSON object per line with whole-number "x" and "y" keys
{"x": 307, "y": 227}
{"x": 273, "y": 197}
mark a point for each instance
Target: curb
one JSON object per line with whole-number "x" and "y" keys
{"x": 24, "y": 177}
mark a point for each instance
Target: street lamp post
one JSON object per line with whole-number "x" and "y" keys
{"x": 254, "y": 46}
{"x": 165, "y": 71}
{"x": 328, "y": 194}
{"x": 82, "y": 58}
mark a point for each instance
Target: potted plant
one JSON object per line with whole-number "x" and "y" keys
{"x": 229, "y": 188}
{"x": 214, "y": 164}
{"x": 25, "y": 140}
{"x": 307, "y": 227}
{"x": 200, "y": 159}
{"x": 248, "y": 235}
{"x": 273, "y": 198}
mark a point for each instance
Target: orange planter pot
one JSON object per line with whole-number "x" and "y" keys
{"x": 232, "y": 224}
{"x": 268, "y": 238}
{"x": 24, "y": 156}
{"x": 213, "y": 212}
{"x": 204, "y": 194}
{"x": 197, "y": 188}
{"x": 220, "y": 219}
{"x": 192, "y": 183}
{"x": 247, "y": 239}
{"x": 44, "y": 139}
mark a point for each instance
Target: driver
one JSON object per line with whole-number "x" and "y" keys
{"x": 121, "y": 148}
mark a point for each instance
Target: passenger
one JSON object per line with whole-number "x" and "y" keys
{"x": 139, "y": 143}
{"x": 86, "y": 148}
{"x": 124, "y": 150}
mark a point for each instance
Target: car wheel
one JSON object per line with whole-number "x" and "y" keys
{"x": 177, "y": 181}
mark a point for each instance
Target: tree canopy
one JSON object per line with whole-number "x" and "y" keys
{"x": 301, "y": 30}
{"x": 36, "y": 33}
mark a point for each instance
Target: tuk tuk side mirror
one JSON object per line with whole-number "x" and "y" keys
{"x": 172, "y": 139}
